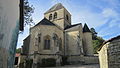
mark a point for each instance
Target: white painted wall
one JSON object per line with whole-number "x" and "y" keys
{"x": 9, "y": 27}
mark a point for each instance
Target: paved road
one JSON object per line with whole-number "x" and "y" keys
{"x": 78, "y": 66}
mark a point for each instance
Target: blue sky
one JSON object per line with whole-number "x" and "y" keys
{"x": 103, "y": 15}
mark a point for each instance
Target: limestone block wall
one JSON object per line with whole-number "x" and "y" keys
{"x": 74, "y": 59}
{"x": 91, "y": 60}
{"x": 60, "y": 14}
{"x": 25, "y": 47}
{"x": 109, "y": 55}
{"x": 67, "y": 22}
{"x": 60, "y": 23}
{"x": 81, "y": 38}
{"x": 61, "y": 17}
{"x": 103, "y": 56}
{"x": 73, "y": 40}
{"x": 87, "y": 40}
{"x": 45, "y": 30}
{"x": 73, "y": 47}
{"x": 114, "y": 54}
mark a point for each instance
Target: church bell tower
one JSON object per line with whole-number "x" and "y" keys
{"x": 59, "y": 15}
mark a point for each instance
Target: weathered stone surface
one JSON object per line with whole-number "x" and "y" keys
{"x": 109, "y": 54}
{"x": 68, "y": 43}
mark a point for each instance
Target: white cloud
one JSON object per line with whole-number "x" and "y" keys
{"x": 86, "y": 16}
{"x": 104, "y": 34}
{"x": 108, "y": 12}
{"x": 114, "y": 23}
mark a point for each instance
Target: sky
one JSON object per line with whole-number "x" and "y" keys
{"x": 103, "y": 15}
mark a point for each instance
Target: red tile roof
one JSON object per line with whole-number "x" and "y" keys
{"x": 17, "y": 54}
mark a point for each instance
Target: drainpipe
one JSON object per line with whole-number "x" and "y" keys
{"x": 21, "y": 5}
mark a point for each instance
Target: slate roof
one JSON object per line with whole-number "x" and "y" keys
{"x": 45, "y": 22}
{"x": 71, "y": 26}
{"x": 85, "y": 28}
{"x": 55, "y": 7}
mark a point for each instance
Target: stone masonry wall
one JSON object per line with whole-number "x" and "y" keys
{"x": 114, "y": 54}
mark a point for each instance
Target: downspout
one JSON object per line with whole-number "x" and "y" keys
{"x": 21, "y": 16}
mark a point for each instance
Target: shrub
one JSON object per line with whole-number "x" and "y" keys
{"x": 29, "y": 63}
{"x": 49, "y": 62}
{"x": 64, "y": 60}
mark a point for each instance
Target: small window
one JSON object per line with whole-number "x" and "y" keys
{"x": 55, "y": 15}
{"x": 39, "y": 38}
{"x": 50, "y": 17}
{"x": 67, "y": 17}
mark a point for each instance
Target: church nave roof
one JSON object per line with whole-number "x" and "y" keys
{"x": 45, "y": 22}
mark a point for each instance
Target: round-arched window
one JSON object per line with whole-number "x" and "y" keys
{"x": 55, "y": 15}
{"x": 50, "y": 17}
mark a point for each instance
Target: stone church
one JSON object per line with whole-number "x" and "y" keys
{"x": 54, "y": 37}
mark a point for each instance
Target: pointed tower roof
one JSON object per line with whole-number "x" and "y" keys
{"x": 55, "y": 7}
{"x": 85, "y": 28}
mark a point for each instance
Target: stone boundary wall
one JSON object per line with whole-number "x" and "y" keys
{"x": 91, "y": 59}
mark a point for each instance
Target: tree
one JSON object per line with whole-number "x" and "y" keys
{"x": 27, "y": 14}
{"x": 97, "y": 41}
{"x": 94, "y": 33}
{"x": 18, "y": 50}
{"x": 28, "y": 10}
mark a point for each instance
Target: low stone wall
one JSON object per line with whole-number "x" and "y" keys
{"x": 75, "y": 60}
{"x": 114, "y": 54}
{"x": 91, "y": 59}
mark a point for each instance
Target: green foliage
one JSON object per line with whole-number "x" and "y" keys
{"x": 29, "y": 63}
{"x": 18, "y": 50}
{"x": 97, "y": 41}
{"x": 94, "y": 33}
{"x": 49, "y": 62}
{"x": 64, "y": 60}
{"x": 21, "y": 65}
{"x": 28, "y": 10}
